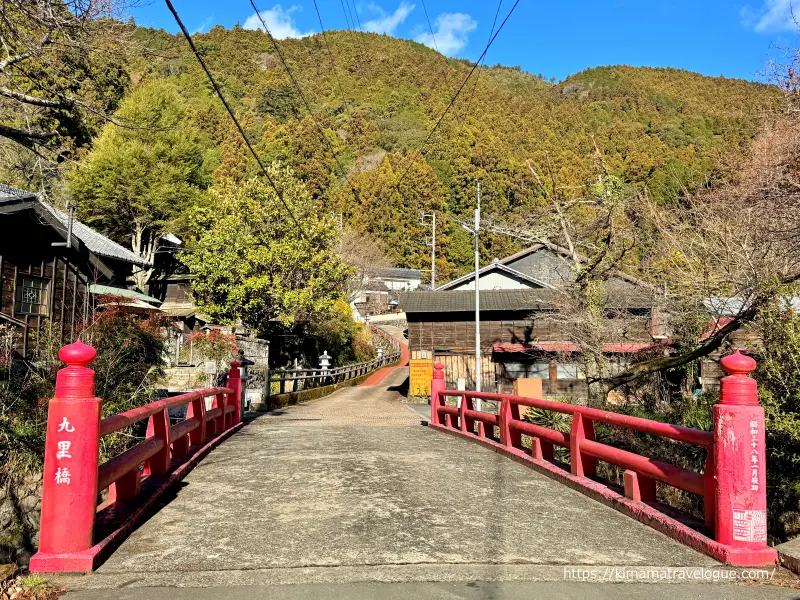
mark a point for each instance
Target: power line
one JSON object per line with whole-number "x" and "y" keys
{"x": 321, "y": 132}
{"x": 461, "y": 87}
{"x": 346, "y": 18}
{"x": 435, "y": 45}
{"x": 359, "y": 48}
{"x": 477, "y": 76}
{"x": 358, "y": 19}
{"x": 233, "y": 117}
{"x": 288, "y": 70}
{"x": 350, "y": 10}
{"x": 330, "y": 54}
{"x": 433, "y": 35}
{"x": 363, "y": 37}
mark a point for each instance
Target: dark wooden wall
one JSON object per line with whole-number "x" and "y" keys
{"x": 25, "y": 249}
{"x": 455, "y": 332}
{"x": 450, "y": 337}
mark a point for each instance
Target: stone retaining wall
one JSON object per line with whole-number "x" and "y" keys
{"x": 20, "y": 505}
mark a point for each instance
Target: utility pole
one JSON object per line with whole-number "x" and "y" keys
{"x": 476, "y": 233}
{"x": 432, "y": 243}
{"x": 477, "y": 299}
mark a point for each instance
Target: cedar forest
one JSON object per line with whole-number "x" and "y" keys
{"x": 670, "y": 131}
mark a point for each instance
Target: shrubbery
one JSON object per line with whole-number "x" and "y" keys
{"x": 217, "y": 346}
{"x": 344, "y": 339}
{"x": 130, "y": 359}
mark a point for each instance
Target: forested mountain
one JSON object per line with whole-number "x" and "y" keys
{"x": 376, "y": 98}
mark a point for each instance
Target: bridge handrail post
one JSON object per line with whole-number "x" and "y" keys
{"x": 235, "y": 383}
{"x": 503, "y": 421}
{"x": 71, "y": 461}
{"x": 739, "y": 463}
{"x": 437, "y": 385}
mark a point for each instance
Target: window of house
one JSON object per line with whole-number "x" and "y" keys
{"x": 32, "y": 296}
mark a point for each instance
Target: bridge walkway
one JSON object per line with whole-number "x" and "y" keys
{"x": 351, "y": 489}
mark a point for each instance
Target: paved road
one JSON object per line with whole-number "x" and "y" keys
{"x": 349, "y": 497}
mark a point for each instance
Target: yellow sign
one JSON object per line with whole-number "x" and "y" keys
{"x": 420, "y": 375}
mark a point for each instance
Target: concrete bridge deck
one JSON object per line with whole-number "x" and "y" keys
{"x": 350, "y": 490}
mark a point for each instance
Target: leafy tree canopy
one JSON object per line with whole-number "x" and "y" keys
{"x": 255, "y": 263}
{"x": 142, "y": 180}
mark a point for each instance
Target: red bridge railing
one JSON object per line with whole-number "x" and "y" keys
{"x": 732, "y": 484}
{"x": 73, "y": 477}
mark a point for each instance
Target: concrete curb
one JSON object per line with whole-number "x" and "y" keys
{"x": 787, "y": 560}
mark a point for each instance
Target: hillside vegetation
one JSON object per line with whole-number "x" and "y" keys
{"x": 669, "y": 130}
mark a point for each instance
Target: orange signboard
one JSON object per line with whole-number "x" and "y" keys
{"x": 420, "y": 375}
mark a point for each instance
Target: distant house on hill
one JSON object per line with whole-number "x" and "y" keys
{"x": 376, "y": 291}
{"x": 520, "y": 338}
{"x": 42, "y": 280}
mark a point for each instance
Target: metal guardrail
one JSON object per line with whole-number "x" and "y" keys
{"x": 295, "y": 380}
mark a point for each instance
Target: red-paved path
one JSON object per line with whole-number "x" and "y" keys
{"x": 382, "y": 374}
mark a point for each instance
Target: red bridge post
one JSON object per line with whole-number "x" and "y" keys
{"x": 69, "y": 495}
{"x": 437, "y": 385}
{"x": 234, "y": 383}
{"x": 740, "y": 467}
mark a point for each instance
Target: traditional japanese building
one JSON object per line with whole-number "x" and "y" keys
{"x": 55, "y": 272}
{"x": 520, "y": 336}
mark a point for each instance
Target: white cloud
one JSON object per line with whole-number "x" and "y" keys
{"x": 452, "y": 33}
{"x": 203, "y": 27}
{"x": 774, "y": 15}
{"x": 279, "y": 22}
{"x": 388, "y": 23}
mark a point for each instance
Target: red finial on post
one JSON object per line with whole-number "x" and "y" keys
{"x": 69, "y": 494}
{"x": 740, "y": 467}
{"x": 77, "y": 354}
{"x": 76, "y": 380}
{"x": 737, "y": 388}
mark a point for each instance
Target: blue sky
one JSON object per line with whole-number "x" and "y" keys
{"x": 733, "y": 38}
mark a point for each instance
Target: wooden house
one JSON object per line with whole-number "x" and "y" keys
{"x": 43, "y": 280}
{"x": 377, "y": 290}
{"x": 520, "y": 334}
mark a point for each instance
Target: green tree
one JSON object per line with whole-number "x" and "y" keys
{"x": 60, "y": 70}
{"x": 139, "y": 182}
{"x": 279, "y": 101}
{"x": 254, "y": 263}
{"x": 387, "y": 205}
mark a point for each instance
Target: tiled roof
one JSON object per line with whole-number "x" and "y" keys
{"x": 396, "y": 272}
{"x": 464, "y": 301}
{"x": 96, "y": 243}
{"x": 8, "y": 193}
